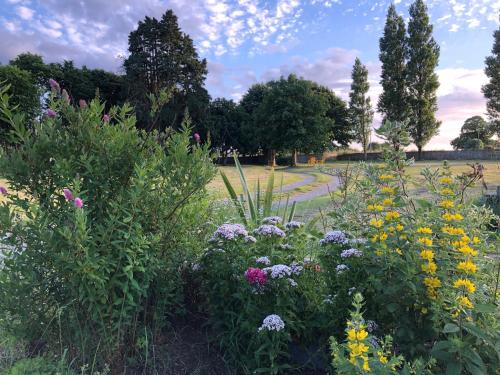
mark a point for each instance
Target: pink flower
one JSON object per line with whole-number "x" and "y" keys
{"x": 255, "y": 276}
{"x": 51, "y": 113}
{"x": 197, "y": 137}
{"x": 65, "y": 96}
{"x": 54, "y": 86}
{"x": 82, "y": 103}
{"x": 78, "y": 202}
{"x": 68, "y": 194}
{"x": 3, "y": 190}
{"x": 105, "y": 118}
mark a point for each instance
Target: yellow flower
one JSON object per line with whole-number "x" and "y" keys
{"x": 375, "y": 207}
{"x": 446, "y": 203}
{"x": 452, "y": 217}
{"x": 351, "y": 334}
{"x": 467, "y": 250}
{"x": 465, "y": 302}
{"x": 377, "y": 223}
{"x": 427, "y": 255}
{"x": 384, "y": 177}
{"x": 387, "y": 190}
{"x": 429, "y": 268}
{"x": 361, "y": 335}
{"x": 424, "y": 310}
{"x": 403, "y": 237}
{"x": 387, "y": 202}
{"x": 431, "y": 293}
{"x": 425, "y": 230}
{"x": 382, "y": 358}
{"x": 432, "y": 282}
{"x": 398, "y": 250}
{"x": 448, "y": 229}
{"x": 392, "y": 215}
{"x": 466, "y": 284}
{"x": 446, "y": 180}
{"x": 399, "y": 227}
{"x": 467, "y": 266}
{"x": 366, "y": 365}
{"x": 357, "y": 349}
{"x": 476, "y": 240}
{"x": 382, "y": 236}
{"x": 378, "y": 253}
{"x": 425, "y": 241}
{"x": 447, "y": 191}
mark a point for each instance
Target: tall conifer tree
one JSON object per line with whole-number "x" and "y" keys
{"x": 360, "y": 108}
{"x": 423, "y": 55}
{"x": 491, "y": 90}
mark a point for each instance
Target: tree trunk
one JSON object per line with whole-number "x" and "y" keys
{"x": 271, "y": 158}
{"x": 364, "y": 153}
{"x": 293, "y": 161}
{"x": 419, "y": 154}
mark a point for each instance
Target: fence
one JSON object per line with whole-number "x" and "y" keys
{"x": 431, "y": 155}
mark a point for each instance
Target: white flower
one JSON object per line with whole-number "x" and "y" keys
{"x": 335, "y": 237}
{"x": 278, "y": 271}
{"x": 294, "y": 224}
{"x": 286, "y": 246}
{"x": 356, "y": 241}
{"x": 272, "y": 220}
{"x": 263, "y": 260}
{"x": 292, "y": 282}
{"x": 250, "y": 239}
{"x": 196, "y": 267}
{"x": 229, "y": 232}
{"x": 272, "y": 322}
{"x": 268, "y": 230}
{"x": 351, "y": 253}
{"x": 341, "y": 268}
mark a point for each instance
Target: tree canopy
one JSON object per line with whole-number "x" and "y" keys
{"x": 491, "y": 90}
{"x": 476, "y": 133}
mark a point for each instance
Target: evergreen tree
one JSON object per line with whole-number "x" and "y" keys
{"x": 392, "y": 102}
{"x": 423, "y": 55}
{"x": 491, "y": 90}
{"x": 360, "y": 108}
{"x": 162, "y": 57}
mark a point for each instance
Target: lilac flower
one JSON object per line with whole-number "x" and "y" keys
{"x": 82, "y": 103}
{"x": 68, "y": 194}
{"x": 263, "y": 260}
{"x": 250, "y": 239}
{"x": 196, "y": 267}
{"x": 268, "y": 230}
{"x": 51, "y": 113}
{"x": 78, "y": 203}
{"x": 65, "y": 96}
{"x": 292, "y": 282}
{"x": 278, "y": 271}
{"x": 286, "y": 246}
{"x": 296, "y": 268}
{"x": 105, "y": 118}
{"x": 371, "y": 326}
{"x": 341, "y": 268}
{"x": 272, "y": 322}
{"x": 335, "y": 237}
{"x": 54, "y": 86}
{"x": 197, "y": 138}
{"x": 274, "y": 220}
{"x": 3, "y": 190}
{"x": 351, "y": 253}
{"x": 229, "y": 232}
{"x": 294, "y": 224}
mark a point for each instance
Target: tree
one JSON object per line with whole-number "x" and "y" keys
{"x": 162, "y": 56}
{"x": 491, "y": 90}
{"x": 23, "y": 91}
{"x": 293, "y": 117}
{"x": 475, "y": 134}
{"x": 392, "y": 102}
{"x": 250, "y": 102}
{"x": 423, "y": 55}
{"x": 361, "y": 113}
{"x": 33, "y": 64}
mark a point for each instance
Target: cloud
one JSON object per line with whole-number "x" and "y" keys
{"x": 25, "y": 13}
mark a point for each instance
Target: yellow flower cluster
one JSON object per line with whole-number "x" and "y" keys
{"x": 448, "y": 229}
{"x": 465, "y": 302}
{"x": 427, "y": 255}
{"x": 424, "y": 230}
{"x": 452, "y": 217}
{"x": 446, "y": 180}
{"x": 357, "y": 347}
{"x": 447, "y": 191}
{"x": 467, "y": 266}
{"x": 377, "y": 223}
{"x": 446, "y": 204}
{"x": 391, "y": 215}
{"x": 385, "y": 177}
{"x": 375, "y": 207}
{"x": 425, "y": 241}
{"x": 382, "y": 236}
{"x": 430, "y": 266}
{"x": 466, "y": 284}
{"x": 387, "y": 190}
{"x": 387, "y": 202}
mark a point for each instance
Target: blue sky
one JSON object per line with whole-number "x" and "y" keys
{"x": 248, "y": 41}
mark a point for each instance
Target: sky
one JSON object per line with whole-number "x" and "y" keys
{"x": 250, "y": 41}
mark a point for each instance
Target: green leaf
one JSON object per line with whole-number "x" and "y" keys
{"x": 454, "y": 368}
{"x": 268, "y": 196}
{"x": 451, "y": 328}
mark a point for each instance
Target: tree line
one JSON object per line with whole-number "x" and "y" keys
{"x": 287, "y": 115}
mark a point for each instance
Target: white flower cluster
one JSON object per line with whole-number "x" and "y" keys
{"x": 356, "y": 241}
{"x": 292, "y": 282}
{"x": 278, "y": 271}
{"x": 286, "y": 246}
{"x": 272, "y": 322}
{"x": 250, "y": 239}
{"x": 229, "y": 232}
{"x": 269, "y": 230}
{"x": 263, "y": 260}
{"x": 294, "y": 224}
{"x": 351, "y": 253}
{"x": 341, "y": 268}
{"x": 274, "y": 220}
{"x": 296, "y": 268}
{"x": 335, "y": 237}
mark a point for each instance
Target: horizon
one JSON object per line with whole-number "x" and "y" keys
{"x": 247, "y": 42}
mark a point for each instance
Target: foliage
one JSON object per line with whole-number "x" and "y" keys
{"x": 95, "y": 241}
{"x": 475, "y": 133}
{"x": 392, "y": 102}
{"x": 491, "y": 90}
{"x": 422, "y": 81}
{"x": 360, "y": 109}
{"x": 395, "y": 133}
{"x": 163, "y": 57}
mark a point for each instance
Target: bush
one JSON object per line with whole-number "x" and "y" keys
{"x": 102, "y": 218}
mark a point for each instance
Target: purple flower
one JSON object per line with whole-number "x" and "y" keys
{"x": 351, "y": 253}
{"x": 82, "y": 103}
{"x": 54, "y": 86}
{"x": 268, "y": 230}
{"x": 229, "y": 232}
{"x": 335, "y": 237}
{"x": 105, "y": 118}
{"x": 68, "y": 194}
{"x": 78, "y": 202}
{"x": 273, "y": 220}
{"x": 51, "y": 113}
{"x": 3, "y": 190}
{"x": 65, "y": 96}
{"x": 197, "y": 138}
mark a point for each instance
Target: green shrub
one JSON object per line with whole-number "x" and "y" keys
{"x": 94, "y": 267}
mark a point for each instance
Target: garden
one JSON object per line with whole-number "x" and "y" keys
{"x": 111, "y": 240}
